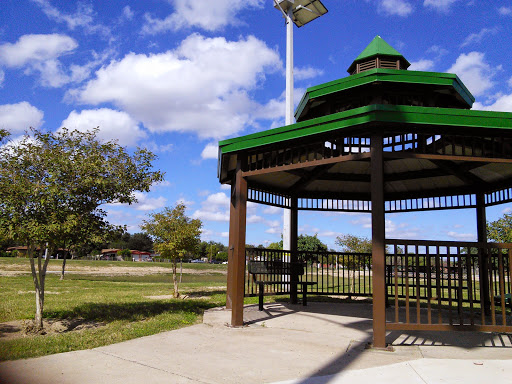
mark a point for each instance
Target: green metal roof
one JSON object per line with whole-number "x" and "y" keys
{"x": 386, "y": 75}
{"x": 378, "y": 47}
{"x": 373, "y": 113}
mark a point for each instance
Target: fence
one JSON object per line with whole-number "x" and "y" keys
{"x": 431, "y": 284}
{"x": 334, "y": 273}
{"x": 435, "y": 285}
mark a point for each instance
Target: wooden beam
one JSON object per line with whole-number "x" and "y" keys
{"x": 378, "y": 243}
{"x": 453, "y": 169}
{"x": 237, "y": 229}
{"x": 309, "y": 177}
{"x": 307, "y": 164}
{"x": 410, "y": 155}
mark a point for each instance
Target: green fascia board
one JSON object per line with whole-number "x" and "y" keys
{"x": 372, "y": 113}
{"x": 386, "y": 75}
{"x": 378, "y": 47}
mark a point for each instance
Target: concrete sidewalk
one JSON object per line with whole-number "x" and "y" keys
{"x": 317, "y": 344}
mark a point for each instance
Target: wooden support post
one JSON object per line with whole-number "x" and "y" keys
{"x": 236, "y": 262}
{"x": 378, "y": 243}
{"x": 294, "y": 278}
{"x": 481, "y": 225}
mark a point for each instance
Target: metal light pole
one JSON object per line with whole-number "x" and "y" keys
{"x": 298, "y": 12}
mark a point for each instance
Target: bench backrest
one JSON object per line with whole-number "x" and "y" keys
{"x": 276, "y": 267}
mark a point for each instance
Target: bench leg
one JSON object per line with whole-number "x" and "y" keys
{"x": 304, "y": 294}
{"x": 260, "y": 304}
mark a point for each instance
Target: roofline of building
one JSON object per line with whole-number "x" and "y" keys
{"x": 372, "y": 113}
{"x": 386, "y": 75}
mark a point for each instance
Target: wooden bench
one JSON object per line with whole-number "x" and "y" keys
{"x": 278, "y": 270}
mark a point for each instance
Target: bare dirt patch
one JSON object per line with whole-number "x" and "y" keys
{"x": 25, "y": 328}
{"x": 16, "y": 270}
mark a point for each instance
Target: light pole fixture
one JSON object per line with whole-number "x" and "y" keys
{"x": 298, "y": 12}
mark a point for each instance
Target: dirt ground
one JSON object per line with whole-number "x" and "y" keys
{"x": 16, "y": 270}
{"x": 23, "y": 328}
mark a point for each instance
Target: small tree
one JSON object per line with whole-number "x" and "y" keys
{"x": 174, "y": 234}
{"x": 52, "y": 183}
{"x": 125, "y": 254}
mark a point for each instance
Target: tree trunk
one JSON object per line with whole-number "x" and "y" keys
{"x": 63, "y": 266}
{"x": 39, "y": 276}
{"x": 176, "y": 294}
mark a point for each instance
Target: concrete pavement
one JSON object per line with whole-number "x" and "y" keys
{"x": 317, "y": 344}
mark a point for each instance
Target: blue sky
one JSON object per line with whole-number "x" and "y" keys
{"x": 176, "y": 76}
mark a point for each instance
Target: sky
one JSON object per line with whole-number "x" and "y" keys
{"x": 177, "y": 76}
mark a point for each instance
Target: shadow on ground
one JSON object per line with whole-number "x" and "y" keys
{"x": 358, "y": 316}
{"x": 132, "y": 311}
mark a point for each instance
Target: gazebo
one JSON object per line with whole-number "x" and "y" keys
{"x": 383, "y": 140}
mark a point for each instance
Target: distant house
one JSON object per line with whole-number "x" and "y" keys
{"x": 140, "y": 255}
{"x": 110, "y": 254}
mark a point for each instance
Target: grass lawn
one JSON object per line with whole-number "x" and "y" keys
{"x": 107, "y": 307}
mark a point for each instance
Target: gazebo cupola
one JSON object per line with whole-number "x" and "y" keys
{"x": 379, "y": 75}
{"x": 378, "y": 54}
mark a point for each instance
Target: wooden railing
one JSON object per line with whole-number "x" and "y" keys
{"x": 430, "y": 285}
{"x": 335, "y": 273}
{"x": 437, "y": 285}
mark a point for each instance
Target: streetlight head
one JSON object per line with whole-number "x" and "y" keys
{"x": 303, "y": 11}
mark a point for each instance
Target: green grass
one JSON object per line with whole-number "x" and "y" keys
{"x": 119, "y": 303}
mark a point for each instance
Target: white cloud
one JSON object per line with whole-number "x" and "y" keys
{"x": 128, "y": 13}
{"x": 155, "y": 147}
{"x": 210, "y": 151}
{"x": 200, "y": 87}
{"x": 83, "y": 17}
{"x": 502, "y": 104}
{"x": 505, "y": 11}
{"x": 144, "y": 202}
{"x": 421, "y": 65}
{"x": 39, "y": 48}
{"x": 396, "y": 7}
{"x": 439, "y": 5}
{"x": 185, "y": 202}
{"x": 272, "y": 210}
{"x": 306, "y": 73}
{"x": 41, "y": 53}
{"x": 202, "y": 14}
{"x": 114, "y": 125}
{"x": 2, "y": 78}
{"x": 462, "y": 236}
{"x": 474, "y": 71}
{"x": 437, "y": 50}
{"x": 475, "y": 38}
{"x": 214, "y": 208}
{"x": 16, "y": 118}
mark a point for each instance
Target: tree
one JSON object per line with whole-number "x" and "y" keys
{"x": 277, "y": 245}
{"x": 354, "y": 244}
{"x": 140, "y": 242}
{"x": 500, "y": 230}
{"x": 173, "y": 234}
{"x": 53, "y": 183}
{"x": 308, "y": 243}
{"x": 125, "y": 254}
{"x": 3, "y": 134}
